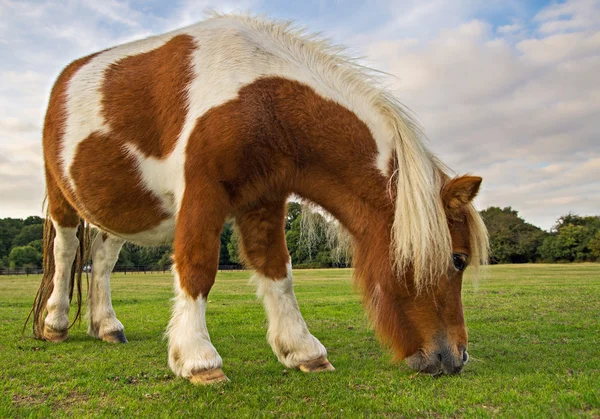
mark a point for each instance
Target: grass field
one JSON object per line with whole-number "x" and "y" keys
{"x": 534, "y": 342}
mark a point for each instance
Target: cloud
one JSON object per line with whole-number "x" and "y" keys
{"x": 191, "y": 11}
{"x": 573, "y": 15}
{"x": 513, "y": 112}
{"x": 509, "y": 29}
{"x": 114, "y": 11}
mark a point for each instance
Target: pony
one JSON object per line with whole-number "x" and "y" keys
{"x": 163, "y": 139}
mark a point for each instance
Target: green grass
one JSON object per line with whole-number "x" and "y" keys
{"x": 534, "y": 342}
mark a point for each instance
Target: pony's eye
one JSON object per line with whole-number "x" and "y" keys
{"x": 460, "y": 261}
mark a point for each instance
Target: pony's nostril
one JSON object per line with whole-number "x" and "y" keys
{"x": 465, "y": 357}
{"x": 439, "y": 357}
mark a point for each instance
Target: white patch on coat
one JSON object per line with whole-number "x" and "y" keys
{"x": 102, "y": 318}
{"x": 160, "y": 176}
{"x": 190, "y": 349}
{"x": 288, "y": 334}
{"x": 66, "y": 244}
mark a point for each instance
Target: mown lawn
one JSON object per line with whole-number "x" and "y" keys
{"x": 534, "y": 343}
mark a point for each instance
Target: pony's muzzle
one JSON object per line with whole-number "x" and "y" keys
{"x": 453, "y": 364}
{"x": 442, "y": 361}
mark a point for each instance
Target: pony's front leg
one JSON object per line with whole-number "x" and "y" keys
{"x": 196, "y": 257}
{"x": 264, "y": 247}
{"x": 288, "y": 335}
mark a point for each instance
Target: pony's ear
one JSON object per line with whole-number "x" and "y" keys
{"x": 459, "y": 191}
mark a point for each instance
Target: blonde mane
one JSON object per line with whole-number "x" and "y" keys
{"x": 420, "y": 234}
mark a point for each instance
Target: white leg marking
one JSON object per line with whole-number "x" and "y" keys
{"x": 65, "y": 249}
{"x": 190, "y": 349}
{"x": 102, "y": 318}
{"x": 288, "y": 334}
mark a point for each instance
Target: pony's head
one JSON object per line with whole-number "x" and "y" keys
{"x": 419, "y": 312}
{"x": 437, "y": 312}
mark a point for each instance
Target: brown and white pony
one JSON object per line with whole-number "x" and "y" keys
{"x": 163, "y": 139}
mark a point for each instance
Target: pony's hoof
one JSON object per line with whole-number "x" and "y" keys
{"x": 117, "y": 336}
{"x": 316, "y": 365}
{"x": 208, "y": 377}
{"x": 55, "y": 336}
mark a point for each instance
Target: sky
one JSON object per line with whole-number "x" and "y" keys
{"x": 505, "y": 89}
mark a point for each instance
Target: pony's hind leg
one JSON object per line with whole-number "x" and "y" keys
{"x": 60, "y": 249}
{"x": 103, "y": 322}
{"x": 264, "y": 248}
{"x": 196, "y": 257}
{"x": 66, "y": 244}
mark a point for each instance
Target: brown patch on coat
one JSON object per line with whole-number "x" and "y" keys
{"x": 198, "y": 240}
{"x": 108, "y": 185}
{"x": 278, "y": 136}
{"x": 59, "y": 208}
{"x": 262, "y": 244}
{"x": 145, "y": 96}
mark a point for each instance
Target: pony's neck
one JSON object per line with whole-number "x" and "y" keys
{"x": 337, "y": 169}
{"x": 384, "y": 293}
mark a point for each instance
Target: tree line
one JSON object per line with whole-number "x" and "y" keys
{"x": 573, "y": 238}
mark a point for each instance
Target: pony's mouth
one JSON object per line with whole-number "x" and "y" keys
{"x": 442, "y": 362}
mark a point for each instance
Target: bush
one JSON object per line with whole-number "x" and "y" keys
{"x": 21, "y": 256}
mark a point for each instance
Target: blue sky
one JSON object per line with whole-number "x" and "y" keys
{"x": 505, "y": 89}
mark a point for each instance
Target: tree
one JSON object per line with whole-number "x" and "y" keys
{"x": 512, "y": 240}
{"x": 28, "y": 234}
{"x": 166, "y": 260}
{"x": 134, "y": 255}
{"x": 37, "y": 245}
{"x": 125, "y": 257}
{"x": 594, "y": 246}
{"x": 307, "y": 241}
{"x": 224, "y": 257}
{"x": 571, "y": 238}
{"x": 298, "y": 252}
{"x": 294, "y": 210}
{"x": 590, "y": 222}
{"x": 31, "y": 220}
{"x": 9, "y": 228}
{"x": 233, "y": 246}
{"x": 25, "y": 256}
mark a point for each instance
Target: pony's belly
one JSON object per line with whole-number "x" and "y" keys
{"x": 161, "y": 234}
{"x": 141, "y": 223}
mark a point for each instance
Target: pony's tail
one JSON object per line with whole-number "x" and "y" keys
{"x": 38, "y": 311}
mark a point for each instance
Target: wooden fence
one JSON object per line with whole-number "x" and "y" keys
{"x": 122, "y": 269}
